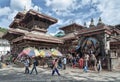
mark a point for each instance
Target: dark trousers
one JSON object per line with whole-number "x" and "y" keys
{"x": 34, "y": 68}
{"x": 55, "y": 70}
{"x": 26, "y": 70}
{"x": 64, "y": 66}
{"x": 60, "y": 65}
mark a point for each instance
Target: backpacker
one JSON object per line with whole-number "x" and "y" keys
{"x": 37, "y": 63}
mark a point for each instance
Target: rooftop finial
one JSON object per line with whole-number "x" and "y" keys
{"x": 38, "y": 9}
{"x": 85, "y": 25}
{"x": 100, "y": 21}
{"x": 25, "y": 10}
{"x": 92, "y": 23}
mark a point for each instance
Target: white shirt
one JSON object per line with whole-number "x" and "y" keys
{"x": 87, "y": 57}
{"x": 64, "y": 61}
{"x": 26, "y": 63}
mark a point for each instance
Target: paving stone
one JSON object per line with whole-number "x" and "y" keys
{"x": 44, "y": 75}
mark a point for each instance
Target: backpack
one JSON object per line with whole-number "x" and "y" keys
{"x": 37, "y": 63}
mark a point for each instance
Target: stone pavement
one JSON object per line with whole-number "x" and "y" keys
{"x": 13, "y": 74}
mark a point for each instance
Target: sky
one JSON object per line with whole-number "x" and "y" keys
{"x": 66, "y": 11}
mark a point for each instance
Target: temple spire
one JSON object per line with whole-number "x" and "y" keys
{"x": 85, "y": 25}
{"x": 38, "y": 9}
{"x": 100, "y": 21}
{"x": 92, "y": 23}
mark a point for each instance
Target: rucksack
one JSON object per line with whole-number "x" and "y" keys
{"x": 37, "y": 63}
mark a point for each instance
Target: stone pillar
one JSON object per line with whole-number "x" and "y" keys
{"x": 114, "y": 60}
{"x": 107, "y": 43}
{"x": 107, "y": 50}
{"x": 102, "y": 45}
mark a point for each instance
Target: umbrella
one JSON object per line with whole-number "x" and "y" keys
{"x": 56, "y": 52}
{"x": 31, "y": 52}
{"x": 45, "y": 53}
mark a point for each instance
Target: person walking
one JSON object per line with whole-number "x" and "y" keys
{"x": 55, "y": 67}
{"x": 26, "y": 63}
{"x": 73, "y": 62}
{"x": 35, "y": 63}
{"x": 64, "y": 63}
{"x": 86, "y": 62}
{"x": 93, "y": 61}
{"x": 99, "y": 67}
{"x": 81, "y": 62}
{"x": 60, "y": 63}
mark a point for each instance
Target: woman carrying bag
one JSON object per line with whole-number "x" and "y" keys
{"x": 55, "y": 65}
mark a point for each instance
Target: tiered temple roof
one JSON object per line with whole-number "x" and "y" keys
{"x": 71, "y": 28}
{"x": 95, "y": 30}
{"x": 23, "y": 34}
{"x": 36, "y": 33}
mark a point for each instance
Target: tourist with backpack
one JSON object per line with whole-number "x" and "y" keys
{"x": 35, "y": 63}
{"x": 55, "y": 65}
{"x": 26, "y": 63}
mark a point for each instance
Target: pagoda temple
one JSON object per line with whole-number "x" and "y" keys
{"x": 29, "y": 30}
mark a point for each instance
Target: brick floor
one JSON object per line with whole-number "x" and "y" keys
{"x": 13, "y": 74}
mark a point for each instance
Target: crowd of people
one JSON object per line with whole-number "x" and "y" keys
{"x": 88, "y": 61}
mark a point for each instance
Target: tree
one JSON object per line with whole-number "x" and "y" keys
{"x": 4, "y": 30}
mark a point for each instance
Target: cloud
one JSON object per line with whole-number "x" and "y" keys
{"x": 62, "y": 7}
{"x": 4, "y": 23}
{"x": 12, "y": 15}
{"x": 85, "y": 2}
{"x": 110, "y": 10}
{"x": 59, "y": 4}
{"x": 4, "y": 11}
{"x": 19, "y": 5}
{"x": 107, "y": 9}
{"x": 8, "y": 13}
{"x": 37, "y": 8}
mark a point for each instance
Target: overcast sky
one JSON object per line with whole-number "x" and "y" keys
{"x": 66, "y": 11}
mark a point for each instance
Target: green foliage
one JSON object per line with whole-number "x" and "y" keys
{"x": 4, "y": 30}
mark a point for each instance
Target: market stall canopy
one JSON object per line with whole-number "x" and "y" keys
{"x": 31, "y": 52}
{"x": 55, "y": 52}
